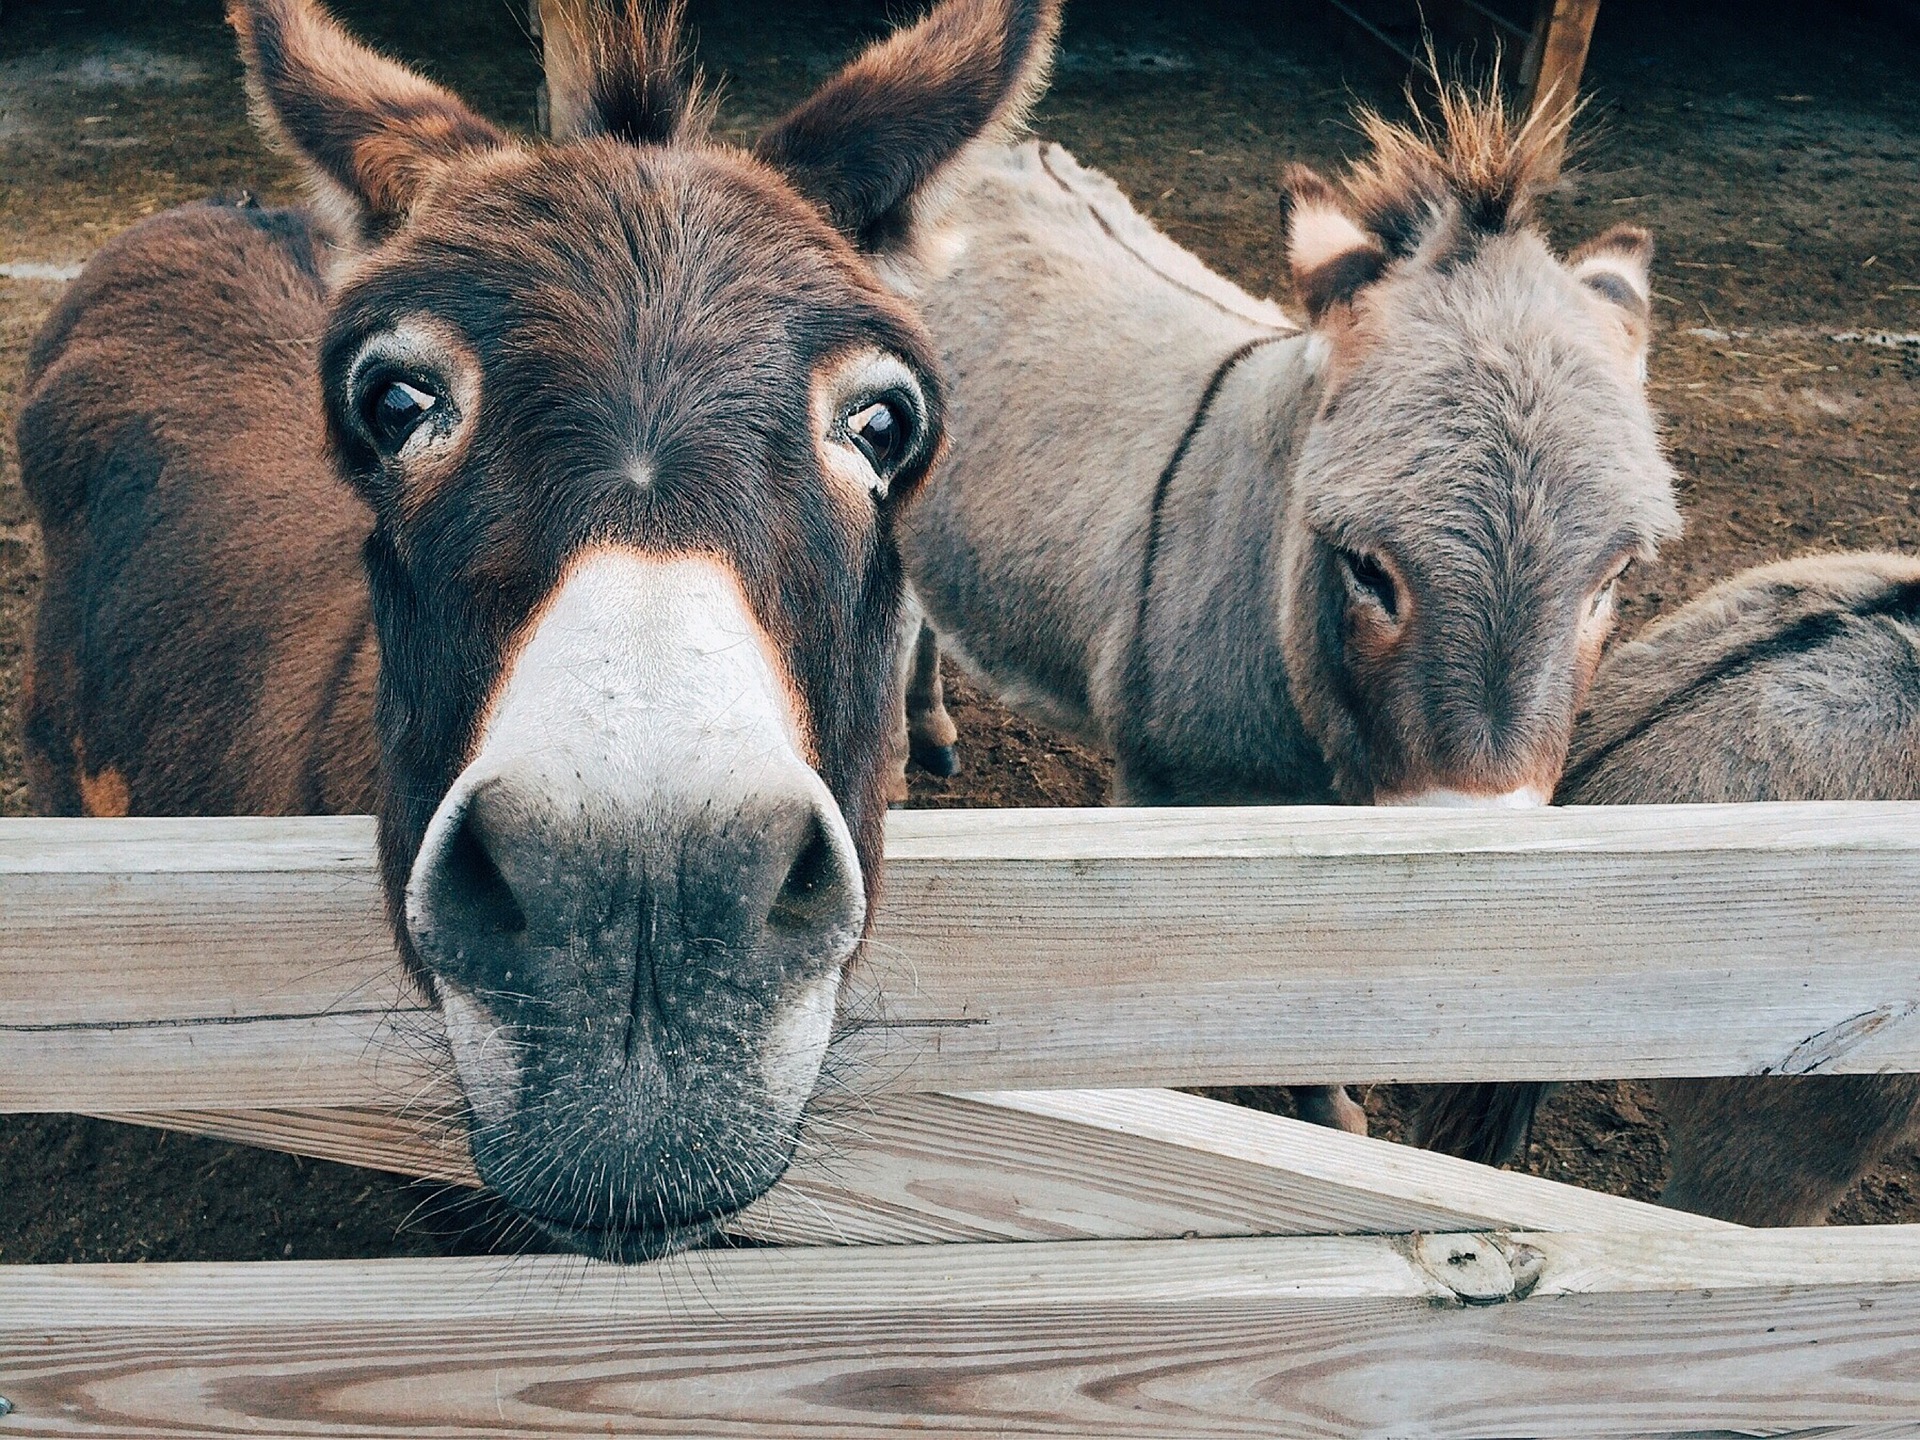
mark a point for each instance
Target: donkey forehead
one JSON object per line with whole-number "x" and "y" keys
{"x": 1520, "y": 499}
{"x": 592, "y": 249}
{"x": 1516, "y": 450}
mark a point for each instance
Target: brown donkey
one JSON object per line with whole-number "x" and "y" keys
{"x": 1795, "y": 681}
{"x": 621, "y": 430}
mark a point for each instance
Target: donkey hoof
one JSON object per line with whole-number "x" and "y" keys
{"x": 936, "y": 759}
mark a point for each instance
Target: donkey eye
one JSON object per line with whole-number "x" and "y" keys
{"x": 883, "y": 431}
{"x": 1368, "y": 579}
{"x": 1603, "y": 597}
{"x": 393, "y": 410}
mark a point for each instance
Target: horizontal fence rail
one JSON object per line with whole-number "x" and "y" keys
{"x": 246, "y": 962}
{"x": 1465, "y": 1336}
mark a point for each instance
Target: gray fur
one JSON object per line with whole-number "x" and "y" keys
{"x": 1474, "y": 416}
{"x": 1798, "y": 680}
{"x": 1794, "y": 681}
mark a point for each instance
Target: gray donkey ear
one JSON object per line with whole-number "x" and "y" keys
{"x": 1332, "y": 258}
{"x": 1618, "y": 266}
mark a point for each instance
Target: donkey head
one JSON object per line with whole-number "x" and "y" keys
{"x": 635, "y": 417}
{"x": 1482, "y": 469}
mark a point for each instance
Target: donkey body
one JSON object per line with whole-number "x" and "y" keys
{"x": 547, "y": 512}
{"x": 206, "y": 641}
{"x": 1794, "y": 681}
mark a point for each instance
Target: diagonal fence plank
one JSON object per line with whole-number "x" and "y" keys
{"x": 1046, "y": 1165}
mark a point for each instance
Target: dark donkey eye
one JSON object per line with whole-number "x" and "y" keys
{"x": 1604, "y": 595}
{"x": 393, "y": 409}
{"x": 1369, "y": 580}
{"x": 883, "y": 429}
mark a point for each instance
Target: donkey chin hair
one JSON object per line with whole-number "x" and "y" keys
{"x": 1524, "y": 797}
{"x": 484, "y": 1052}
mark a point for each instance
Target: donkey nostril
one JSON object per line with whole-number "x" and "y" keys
{"x": 471, "y": 880}
{"x": 810, "y": 897}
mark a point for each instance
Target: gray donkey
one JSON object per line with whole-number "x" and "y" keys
{"x": 1371, "y": 559}
{"x": 1795, "y": 681}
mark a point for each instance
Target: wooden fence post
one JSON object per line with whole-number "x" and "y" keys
{"x": 560, "y": 24}
{"x": 1550, "y": 69}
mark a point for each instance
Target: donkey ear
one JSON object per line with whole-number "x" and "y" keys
{"x": 1618, "y": 267}
{"x": 367, "y": 130}
{"x": 1330, "y": 256}
{"x": 871, "y": 138}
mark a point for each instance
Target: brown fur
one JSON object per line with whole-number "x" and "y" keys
{"x": 371, "y": 132}
{"x": 983, "y": 52}
{"x": 187, "y": 545}
{"x": 1794, "y": 681}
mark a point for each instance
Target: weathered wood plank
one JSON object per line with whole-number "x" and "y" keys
{"x": 1550, "y": 71}
{"x": 1441, "y": 1336}
{"x": 1047, "y": 1165}
{"x": 1022, "y": 949}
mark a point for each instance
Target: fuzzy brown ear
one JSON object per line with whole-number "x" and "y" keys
{"x": 1330, "y": 255}
{"x": 368, "y": 130}
{"x": 1618, "y": 266}
{"x": 872, "y": 137}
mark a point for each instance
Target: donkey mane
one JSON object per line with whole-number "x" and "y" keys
{"x": 1469, "y": 159}
{"x": 642, "y": 85}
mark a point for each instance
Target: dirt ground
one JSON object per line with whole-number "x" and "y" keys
{"x": 1773, "y": 148}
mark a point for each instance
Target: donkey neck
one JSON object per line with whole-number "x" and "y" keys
{"x": 1111, "y": 393}
{"x": 1209, "y": 716}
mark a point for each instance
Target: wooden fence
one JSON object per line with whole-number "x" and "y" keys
{"x": 1189, "y": 1268}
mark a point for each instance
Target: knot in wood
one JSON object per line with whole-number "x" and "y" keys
{"x": 1480, "y": 1269}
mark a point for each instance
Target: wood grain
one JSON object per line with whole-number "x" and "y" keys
{"x": 168, "y": 965}
{"x": 1312, "y": 1337}
{"x": 1047, "y": 1165}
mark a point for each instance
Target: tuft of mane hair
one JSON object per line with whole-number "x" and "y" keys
{"x": 1469, "y": 158}
{"x": 642, "y": 85}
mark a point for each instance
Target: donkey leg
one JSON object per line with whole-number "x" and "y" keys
{"x": 1780, "y": 1150}
{"x": 1331, "y": 1106}
{"x": 930, "y": 729}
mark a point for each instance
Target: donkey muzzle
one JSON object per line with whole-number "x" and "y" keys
{"x": 636, "y": 902}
